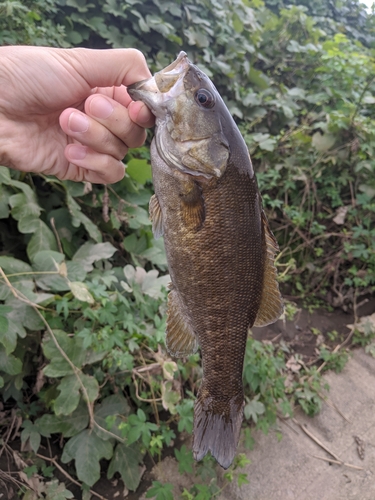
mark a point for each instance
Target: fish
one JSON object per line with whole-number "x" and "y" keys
{"x": 219, "y": 246}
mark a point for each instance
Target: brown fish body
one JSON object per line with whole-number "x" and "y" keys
{"x": 219, "y": 250}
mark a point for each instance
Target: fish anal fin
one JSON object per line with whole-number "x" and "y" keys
{"x": 217, "y": 427}
{"x": 193, "y": 205}
{"x": 156, "y": 217}
{"x": 180, "y": 338}
{"x": 271, "y": 306}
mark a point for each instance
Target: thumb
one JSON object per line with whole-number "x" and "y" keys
{"x": 108, "y": 67}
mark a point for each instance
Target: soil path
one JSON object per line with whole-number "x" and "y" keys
{"x": 289, "y": 469}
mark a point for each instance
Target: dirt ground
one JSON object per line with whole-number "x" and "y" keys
{"x": 302, "y": 335}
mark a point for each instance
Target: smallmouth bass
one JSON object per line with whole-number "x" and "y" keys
{"x": 219, "y": 247}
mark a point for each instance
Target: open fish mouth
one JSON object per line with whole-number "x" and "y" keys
{"x": 164, "y": 85}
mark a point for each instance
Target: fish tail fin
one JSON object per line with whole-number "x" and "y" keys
{"x": 217, "y": 427}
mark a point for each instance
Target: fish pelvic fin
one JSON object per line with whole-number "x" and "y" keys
{"x": 271, "y": 306}
{"x": 180, "y": 339}
{"x": 156, "y": 217}
{"x": 217, "y": 427}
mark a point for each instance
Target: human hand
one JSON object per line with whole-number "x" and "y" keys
{"x": 66, "y": 112}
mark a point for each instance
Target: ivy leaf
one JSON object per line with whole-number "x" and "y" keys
{"x": 125, "y": 460}
{"x": 112, "y": 406}
{"x": 78, "y": 218}
{"x": 89, "y": 253}
{"x": 81, "y": 292}
{"x": 42, "y": 239}
{"x": 31, "y": 432}
{"x": 323, "y": 143}
{"x": 87, "y": 449}
{"x": 73, "y": 348}
{"x": 67, "y": 425}
{"x": 9, "y": 363}
{"x": 8, "y": 333}
{"x": 70, "y": 387}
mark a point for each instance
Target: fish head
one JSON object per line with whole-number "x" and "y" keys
{"x": 189, "y": 115}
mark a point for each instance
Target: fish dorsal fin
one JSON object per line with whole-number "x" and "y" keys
{"x": 156, "y": 217}
{"x": 271, "y": 306}
{"x": 180, "y": 339}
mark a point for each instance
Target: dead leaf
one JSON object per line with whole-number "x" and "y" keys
{"x": 341, "y": 212}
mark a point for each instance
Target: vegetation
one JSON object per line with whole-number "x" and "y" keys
{"x": 82, "y": 286}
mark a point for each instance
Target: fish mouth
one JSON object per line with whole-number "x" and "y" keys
{"x": 164, "y": 85}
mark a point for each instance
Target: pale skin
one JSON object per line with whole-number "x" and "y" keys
{"x": 66, "y": 112}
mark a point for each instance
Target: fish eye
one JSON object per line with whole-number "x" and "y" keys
{"x": 204, "y": 98}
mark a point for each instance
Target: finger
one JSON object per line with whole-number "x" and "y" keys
{"x": 104, "y": 68}
{"x": 91, "y": 133}
{"x": 92, "y": 166}
{"x": 138, "y": 111}
{"x": 140, "y": 114}
{"x": 116, "y": 119}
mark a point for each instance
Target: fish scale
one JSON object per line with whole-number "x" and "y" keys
{"x": 219, "y": 248}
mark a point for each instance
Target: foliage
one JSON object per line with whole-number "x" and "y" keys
{"x": 83, "y": 289}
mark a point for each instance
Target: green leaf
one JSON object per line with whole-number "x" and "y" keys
{"x": 323, "y": 143}
{"x": 111, "y": 406}
{"x": 73, "y": 348}
{"x": 67, "y": 425}
{"x": 253, "y": 409}
{"x": 87, "y": 449}
{"x": 185, "y": 460}
{"x": 31, "y": 433}
{"x": 9, "y": 364}
{"x": 139, "y": 170}
{"x": 78, "y": 218}
{"x": 8, "y": 334}
{"x": 57, "y": 491}
{"x": 11, "y": 265}
{"x": 160, "y": 491}
{"x": 49, "y": 261}
{"x": 126, "y": 461}
{"x": 42, "y": 239}
{"x": 91, "y": 252}
{"x": 70, "y": 388}
{"x": 81, "y": 292}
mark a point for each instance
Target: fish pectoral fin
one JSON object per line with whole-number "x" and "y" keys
{"x": 156, "y": 217}
{"x": 193, "y": 206}
{"x": 180, "y": 338}
{"x": 271, "y": 306}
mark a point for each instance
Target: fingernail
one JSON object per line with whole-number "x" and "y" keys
{"x": 143, "y": 115}
{"x": 77, "y": 152}
{"x": 100, "y": 107}
{"x": 78, "y": 122}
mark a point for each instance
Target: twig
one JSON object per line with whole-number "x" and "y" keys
{"x": 6, "y": 439}
{"x": 67, "y": 475}
{"x": 139, "y": 397}
{"x": 317, "y": 441}
{"x": 285, "y": 422}
{"x": 331, "y": 461}
{"x": 52, "y": 221}
{"x": 332, "y": 405}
